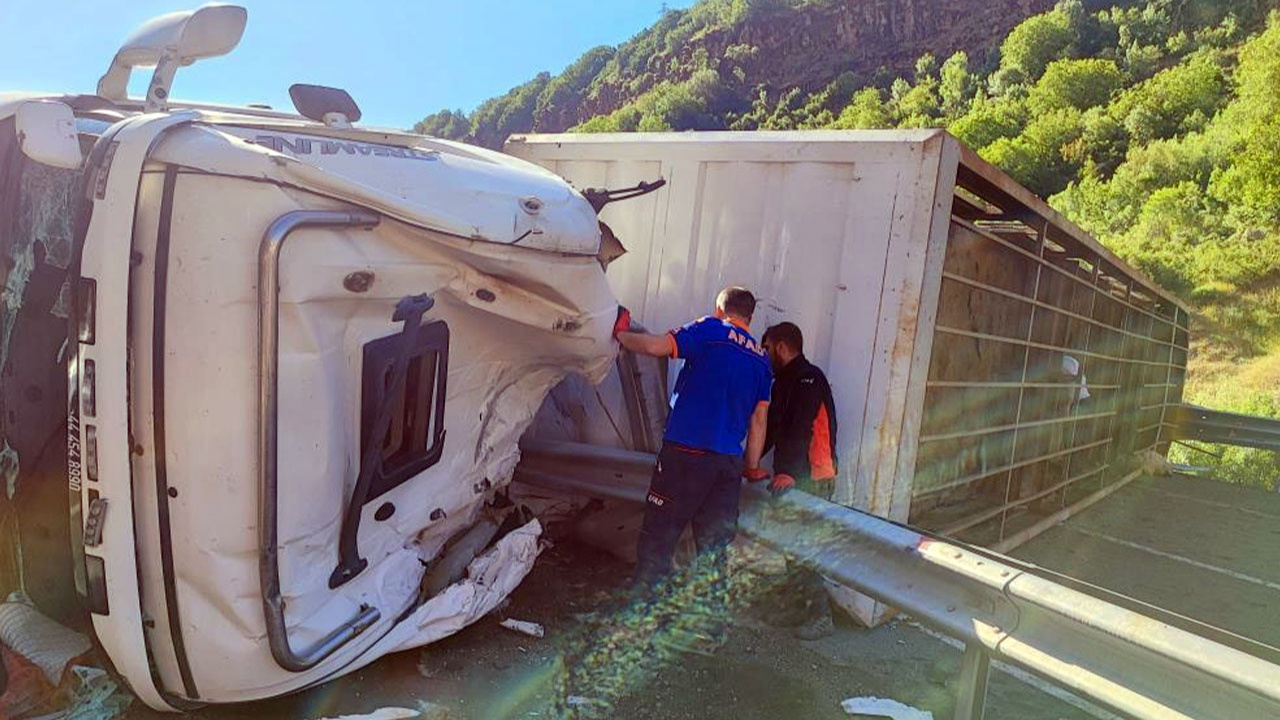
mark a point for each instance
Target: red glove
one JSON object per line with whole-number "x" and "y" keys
{"x": 755, "y": 474}
{"x": 781, "y": 484}
{"x": 623, "y": 323}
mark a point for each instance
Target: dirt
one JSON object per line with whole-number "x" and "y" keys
{"x": 489, "y": 673}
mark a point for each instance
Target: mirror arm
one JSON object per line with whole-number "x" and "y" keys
{"x": 161, "y": 82}
{"x": 114, "y": 85}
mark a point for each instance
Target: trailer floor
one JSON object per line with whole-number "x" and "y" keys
{"x": 1200, "y": 548}
{"x": 489, "y": 673}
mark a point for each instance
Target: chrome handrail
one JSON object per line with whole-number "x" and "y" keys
{"x": 268, "y": 426}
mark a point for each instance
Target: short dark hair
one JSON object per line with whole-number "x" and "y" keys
{"x": 737, "y": 301}
{"x": 787, "y": 333}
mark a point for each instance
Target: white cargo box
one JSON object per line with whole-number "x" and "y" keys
{"x": 940, "y": 297}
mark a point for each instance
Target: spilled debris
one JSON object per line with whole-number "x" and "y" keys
{"x": 883, "y": 708}
{"x": 386, "y": 713}
{"x": 531, "y": 629}
{"x": 41, "y": 641}
{"x": 94, "y": 695}
{"x": 47, "y": 670}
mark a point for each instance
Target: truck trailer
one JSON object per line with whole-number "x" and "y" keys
{"x": 265, "y": 374}
{"x": 942, "y": 299}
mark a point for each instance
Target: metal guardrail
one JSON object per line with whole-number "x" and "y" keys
{"x": 1189, "y": 422}
{"x": 1120, "y": 658}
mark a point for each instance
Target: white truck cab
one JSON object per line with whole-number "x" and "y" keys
{"x": 300, "y": 354}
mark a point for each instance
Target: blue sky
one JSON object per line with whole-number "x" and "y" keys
{"x": 400, "y": 60}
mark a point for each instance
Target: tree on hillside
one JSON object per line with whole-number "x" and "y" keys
{"x": 865, "y": 111}
{"x": 699, "y": 103}
{"x": 1174, "y": 101}
{"x": 821, "y": 108}
{"x": 989, "y": 120}
{"x": 956, "y": 86}
{"x": 564, "y": 93}
{"x": 1253, "y": 179}
{"x": 919, "y": 104}
{"x": 1102, "y": 144}
{"x": 1036, "y": 42}
{"x": 1036, "y": 157}
{"x": 447, "y": 124}
{"x": 495, "y": 119}
{"x": 1079, "y": 84}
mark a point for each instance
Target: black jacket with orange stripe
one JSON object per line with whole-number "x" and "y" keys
{"x": 802, "y": 422}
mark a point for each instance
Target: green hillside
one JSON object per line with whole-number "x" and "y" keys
{"x": 1153, "y": 125}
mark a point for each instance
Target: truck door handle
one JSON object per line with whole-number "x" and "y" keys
{"x": 268, "y": 427}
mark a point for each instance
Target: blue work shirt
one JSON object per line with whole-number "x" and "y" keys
{"x": 725, "y": 376}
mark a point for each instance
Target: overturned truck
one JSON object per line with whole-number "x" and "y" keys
{"x": 263, "y": 374}
{"x": 281, "y": 363}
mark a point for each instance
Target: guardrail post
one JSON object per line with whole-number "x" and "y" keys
{"x": 971, "y": 699}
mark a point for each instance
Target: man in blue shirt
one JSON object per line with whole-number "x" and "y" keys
{"x": 721, "y": 396}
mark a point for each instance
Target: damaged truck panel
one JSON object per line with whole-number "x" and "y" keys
{"x": 395, "y": 436}
{"x": 296, "y": 357}
{"x": 518, "y": 320}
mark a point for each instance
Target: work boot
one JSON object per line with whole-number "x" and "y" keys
{"x": 786, "y": 616}
{"x": 817, "y": 628}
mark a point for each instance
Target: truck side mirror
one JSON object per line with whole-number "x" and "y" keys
{"x": 171, "y": 41}
{"x": 46, "y": 132}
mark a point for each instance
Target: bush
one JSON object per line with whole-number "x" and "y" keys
{"x": 741, "y": 53}
{"x": 1239, "y": 260}
{"x": 1213, "y": 291}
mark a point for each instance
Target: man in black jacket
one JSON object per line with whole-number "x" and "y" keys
{"x": 802, "y": 417}
{"x": 802, "y": 433}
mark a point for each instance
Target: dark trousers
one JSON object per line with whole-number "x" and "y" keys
{"x": 687, "y": 488}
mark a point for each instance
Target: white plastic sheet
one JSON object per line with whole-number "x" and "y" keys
{"x": 883, "y": 708}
